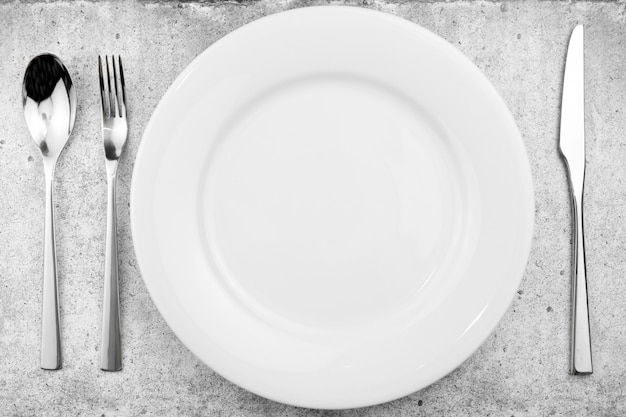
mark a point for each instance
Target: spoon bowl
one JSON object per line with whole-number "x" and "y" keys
{"x": 49, "y": 101}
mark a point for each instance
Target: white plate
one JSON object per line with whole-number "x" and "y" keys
{"x": 332, "y": 207}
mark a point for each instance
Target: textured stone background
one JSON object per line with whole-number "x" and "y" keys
{"x": 520, "y": 370}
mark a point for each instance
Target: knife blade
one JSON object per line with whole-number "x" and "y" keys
{"x": 572, "y": 147}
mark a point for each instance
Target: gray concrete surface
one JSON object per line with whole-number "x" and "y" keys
{"x": 521, "y": 370}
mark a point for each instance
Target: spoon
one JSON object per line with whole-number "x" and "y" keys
{"x": 49, "y": 101}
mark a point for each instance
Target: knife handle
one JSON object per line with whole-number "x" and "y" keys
{"x": 581, "y": 339}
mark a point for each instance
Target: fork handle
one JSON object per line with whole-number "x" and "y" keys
{"x": 111, "y": 351}
{"x": 581, "y": 340}
{"x": 50, "y": 322}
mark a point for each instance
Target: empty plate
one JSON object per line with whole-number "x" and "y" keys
{"x": 332, "y": 207}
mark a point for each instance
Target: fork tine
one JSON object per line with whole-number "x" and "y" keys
{"x": 115, "y": 82}
{"x": 102, "y": 90}
{"x": 123, "y": 85}
{"x": 111, "y": 100}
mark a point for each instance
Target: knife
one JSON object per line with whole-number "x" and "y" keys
{"x": 572, "y": 146}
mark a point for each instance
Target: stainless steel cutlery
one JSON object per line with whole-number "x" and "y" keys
{"x": 572, "y": 146}
{"x": 114, "y": 134}
{"x": 49, "y": 101}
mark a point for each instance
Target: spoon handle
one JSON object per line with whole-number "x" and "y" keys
{"x": 111, "y": 351}
{"x": 50, "y": 322}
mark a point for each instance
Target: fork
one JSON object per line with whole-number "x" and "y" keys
{"x": 114, "y": 134}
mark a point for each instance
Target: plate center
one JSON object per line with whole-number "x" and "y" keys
{"x": 330, "y": 201}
